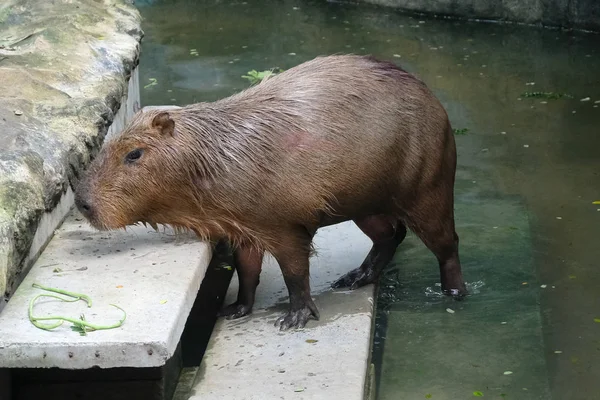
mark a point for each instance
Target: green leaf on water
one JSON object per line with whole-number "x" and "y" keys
{"x": 462, "y": 131}
{"x": 597, "y": 320}
{"x": 255, "y": 77}
{"x": 477, "y": 393}
{"x": 428, "y": 396}
{"x": 546, "y": 95}
{"x": 153, "y": 82}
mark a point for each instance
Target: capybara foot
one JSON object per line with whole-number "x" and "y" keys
{"x": 235, "y": 310}
{"x": 354, "y": 279}
{"x": 457, "y": 291}
{"x": 297, "y": 318}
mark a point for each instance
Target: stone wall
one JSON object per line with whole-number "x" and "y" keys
{"x": 64, "y": 72}
{"x": 577, "y": 14}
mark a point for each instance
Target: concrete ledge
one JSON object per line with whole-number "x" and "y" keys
{"x": 251, "y": 359}
{"x": 153, "y": 276}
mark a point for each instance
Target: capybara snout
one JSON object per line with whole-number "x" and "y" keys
{"x": 334, "y": 139}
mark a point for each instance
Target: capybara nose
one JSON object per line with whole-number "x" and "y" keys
{"x": 84, "y": 207}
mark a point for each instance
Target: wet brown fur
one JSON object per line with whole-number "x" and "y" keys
{"x": 333, "y": 139}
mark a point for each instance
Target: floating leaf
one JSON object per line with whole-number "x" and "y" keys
{"x": 597, "y": 320}
{"x": 477, "y": 393}
{"x": 255, "y": 77}
{"x": 153, "y": 82}
{"x": 428, "y": 396}
{"x": 546, "y": 95}
{"x": 507, "y": 372}
{"x": 597, "y": 202}
{"x": 449, "y": 311}
{"x": 299, "y": 390}
{"x": 461, "y": 131}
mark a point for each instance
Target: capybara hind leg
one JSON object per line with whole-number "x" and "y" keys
{"x": 434, "y": 224}
{"x": 386, "y": 234}
{"x": 292, "y": 256}
{"x": 248, "y": 263}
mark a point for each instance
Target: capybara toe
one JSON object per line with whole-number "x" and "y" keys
{"x": 234, "y": 311}
{"x": 295, "y": 319}
{"x": 354, "y": 279}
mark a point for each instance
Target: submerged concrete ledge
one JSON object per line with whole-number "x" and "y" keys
{"x": 65, "y": 68}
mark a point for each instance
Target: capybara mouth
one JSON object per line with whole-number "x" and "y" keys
{"x": 94, "y": 223}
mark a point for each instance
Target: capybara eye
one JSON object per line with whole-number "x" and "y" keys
{"x": 133, "y": 156}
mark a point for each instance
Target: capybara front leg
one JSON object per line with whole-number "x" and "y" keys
{"x": 386, "y": 234}
{"x": 294, "y": 263}
{"x": 248, "y": 264}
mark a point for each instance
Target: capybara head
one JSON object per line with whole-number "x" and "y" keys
{"x": 135, "y": 177}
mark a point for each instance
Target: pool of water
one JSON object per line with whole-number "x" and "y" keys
{"x": 528, "y": 174}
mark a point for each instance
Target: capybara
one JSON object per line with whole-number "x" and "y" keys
{"x": 337, "y": 138}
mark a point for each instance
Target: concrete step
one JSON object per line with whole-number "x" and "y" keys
{"x": 153, "y": 276}
{"x": 250, "y": 358}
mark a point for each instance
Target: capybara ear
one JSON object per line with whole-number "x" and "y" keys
{"x": 164, "y": 122}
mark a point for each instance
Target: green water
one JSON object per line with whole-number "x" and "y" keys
{"x": 528, "y": 172}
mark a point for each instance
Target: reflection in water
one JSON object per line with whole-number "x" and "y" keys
{"x": 527, "y": 176}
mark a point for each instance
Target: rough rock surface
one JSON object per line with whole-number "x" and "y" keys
{"x": 578, "y": 14}
{"x": 64, "y": 68}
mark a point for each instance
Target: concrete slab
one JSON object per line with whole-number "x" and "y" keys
{"x": 153, "y": 276}
{"x": 250, "y": 358}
